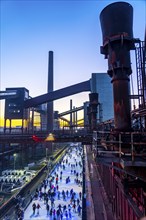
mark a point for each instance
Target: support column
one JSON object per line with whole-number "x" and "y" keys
{"x": 93, "y": 110}
{"x": 10, "y": 126}
{"x": 32, "y": 120}
{"x": 71, "y": 114}
{"x": 5, "y": 120}
{"x": 76, "y": 119}
{"x": 74, "y": 123}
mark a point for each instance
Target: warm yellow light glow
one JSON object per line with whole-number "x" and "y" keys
{"x": 18, "y": 122}
{"x": 50, "y": 137}
{"x": 1, "y": 122}
{"x": 15, "y": 122}
{"x": 65, "y": 124}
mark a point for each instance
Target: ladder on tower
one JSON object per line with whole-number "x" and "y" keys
{"x": 141, "y": 72}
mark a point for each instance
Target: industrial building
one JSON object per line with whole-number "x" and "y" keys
{"x": 113, "y": 135}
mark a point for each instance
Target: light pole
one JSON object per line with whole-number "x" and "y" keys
{"x": 46, "y": 152}
{"x": 50, "y": 138}
{"x": 14, "y": 155}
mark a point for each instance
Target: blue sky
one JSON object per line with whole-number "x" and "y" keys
{"x": 29, "y": 29}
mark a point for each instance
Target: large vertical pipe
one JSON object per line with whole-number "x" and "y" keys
{"x": 5, "y": 124}
{"x": 50, "y": 89}
{"x": 71, "y": 114}
{"x": 93, "y": 97}
{"x": 86, "y": 115}
{"x": 74, "y": 117}
{"x": 89, "y": 118}
{"x": 116, "y": 23}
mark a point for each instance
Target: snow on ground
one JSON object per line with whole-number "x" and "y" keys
{"x": 72, "y": 157}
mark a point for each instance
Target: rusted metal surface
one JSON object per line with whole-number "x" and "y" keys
{"x": 116, "y": 22}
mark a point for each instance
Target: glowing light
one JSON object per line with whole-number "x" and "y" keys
{"x": 50, "y": 137}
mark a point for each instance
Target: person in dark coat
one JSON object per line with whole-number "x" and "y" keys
{"x": 47, "y": 208}
{"x": 34, "y": 208}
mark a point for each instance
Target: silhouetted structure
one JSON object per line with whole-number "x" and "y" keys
{"x": 50, "y": 116}
{"x": 117, "y": 22}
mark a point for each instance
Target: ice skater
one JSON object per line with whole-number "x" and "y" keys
{"x": 38, "y": 207}
{"x": 34, "y": 208}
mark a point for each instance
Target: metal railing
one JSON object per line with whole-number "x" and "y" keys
{"x": 131, "y": 144}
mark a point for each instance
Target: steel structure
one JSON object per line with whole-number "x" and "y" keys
{"x": 58, "y": 94}
{"x": 140, "y": 67}
{"x": 117, "y": 43}
{"x": 119, "y": 147}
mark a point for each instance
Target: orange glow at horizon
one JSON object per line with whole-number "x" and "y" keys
{"x": 18, "y": 123}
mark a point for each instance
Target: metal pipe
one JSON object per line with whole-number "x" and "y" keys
{"x": 93, "y": 97}
{"x": 71, "y": 114}
{"x": 116, "y": 23}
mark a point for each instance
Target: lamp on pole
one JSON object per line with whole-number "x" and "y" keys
{"x": 14, "y": 155}
{"x": 49, "y": 139}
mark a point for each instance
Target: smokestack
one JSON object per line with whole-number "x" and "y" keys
{"x": 50, "y": 115}
{"x": 93, "y": 97}
{"x": 116, "y": 23}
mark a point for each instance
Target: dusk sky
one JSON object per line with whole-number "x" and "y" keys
{"x": 29, "y": 29}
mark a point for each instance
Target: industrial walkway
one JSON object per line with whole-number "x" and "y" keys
{"x": 98, "y": 207}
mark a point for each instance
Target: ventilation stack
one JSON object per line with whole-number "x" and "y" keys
{"x": 117, "y": 30}
{"x": 50, "y": 116}
{"x": 92, "y": 111}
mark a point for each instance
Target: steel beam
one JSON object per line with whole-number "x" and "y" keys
{"x": 58, "y": 94}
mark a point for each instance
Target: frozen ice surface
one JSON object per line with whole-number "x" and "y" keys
{"x": 28, "y": 214}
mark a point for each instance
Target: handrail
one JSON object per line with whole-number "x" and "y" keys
{"x": 119, "y": 140}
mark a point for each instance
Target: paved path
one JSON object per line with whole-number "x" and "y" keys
{"x": 102, "y": 209}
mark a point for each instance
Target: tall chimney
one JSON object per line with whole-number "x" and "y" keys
{"x": 93, "y": 97}
{"x": 116, "y": 23}
{"x": 50, "y": 116}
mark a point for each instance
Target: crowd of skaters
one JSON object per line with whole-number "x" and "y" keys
{"x": 60, "y": 195}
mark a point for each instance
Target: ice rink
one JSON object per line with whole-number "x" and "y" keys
{"x": 71, "y": 168}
